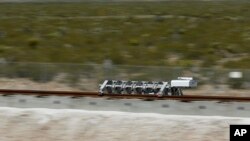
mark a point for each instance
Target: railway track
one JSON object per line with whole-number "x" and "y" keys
{"x": 185, "y": 98}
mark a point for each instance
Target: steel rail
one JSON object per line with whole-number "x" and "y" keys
{"x": 184, "y": 98}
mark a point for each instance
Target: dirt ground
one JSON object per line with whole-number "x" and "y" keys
{"x": 78, "y": 125}
{"x": 22, "y": 83}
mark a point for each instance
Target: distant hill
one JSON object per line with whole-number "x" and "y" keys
{"x": 177, "y": 33}
{"x": 44, "y": 0}
{"x": 75, "y": 0}
{"x": 97, "y": 0}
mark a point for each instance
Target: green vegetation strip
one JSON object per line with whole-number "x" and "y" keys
{"x": 215, "y": 33}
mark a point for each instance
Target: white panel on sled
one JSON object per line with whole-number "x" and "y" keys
{"x": 183, "y": 83}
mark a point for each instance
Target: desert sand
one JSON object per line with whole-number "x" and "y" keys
{"x": 80, "y": 125}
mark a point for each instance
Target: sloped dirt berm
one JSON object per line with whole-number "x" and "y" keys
{"x": 78, "y": 125}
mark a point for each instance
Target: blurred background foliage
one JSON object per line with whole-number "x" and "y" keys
{"x": 173, "y": 33}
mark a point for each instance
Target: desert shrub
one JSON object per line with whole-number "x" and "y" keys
{"x": 33, "y": 42}
{"x": 134, "y": 42}
{"x": 243, "y": 63}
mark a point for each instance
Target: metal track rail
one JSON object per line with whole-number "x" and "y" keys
{"x": 123, "y": 96}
